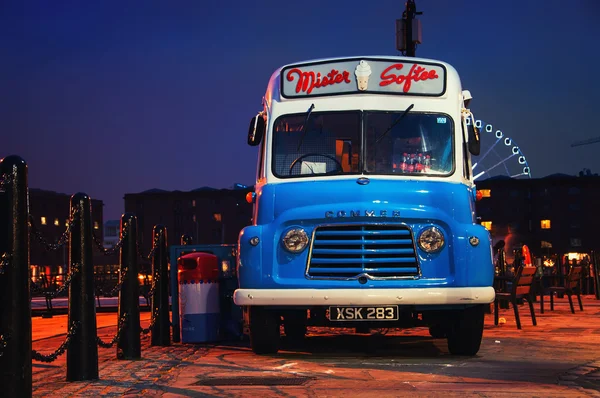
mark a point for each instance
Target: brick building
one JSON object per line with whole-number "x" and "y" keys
{"x": 556, "y": 214}
{"x": 208, "y": 215}
{"x": 50, "y": 212}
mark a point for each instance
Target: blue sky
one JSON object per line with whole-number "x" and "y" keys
{"x": 112, "y": 97}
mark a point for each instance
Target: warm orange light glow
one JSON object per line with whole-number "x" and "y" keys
{"x": 526, "y": 256}
{"x": 478, "y": 195}
{"x": 545, "y": 224}
{"x": 487, "y": 225}
{"x": 250, "y": 197}
{"x": 485, "y": 193}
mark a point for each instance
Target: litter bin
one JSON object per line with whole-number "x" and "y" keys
{"x": 198, "y": 278}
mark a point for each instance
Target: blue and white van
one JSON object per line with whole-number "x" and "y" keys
{"x": 364, "y": 206}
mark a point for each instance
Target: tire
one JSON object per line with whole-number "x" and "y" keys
{"x": 264, "y": 330}
{"x": 294, "y": 325}
{"x": 466, "y": 332}
{"x": 437, "y": 331}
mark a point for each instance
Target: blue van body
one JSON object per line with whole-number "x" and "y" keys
{"x": 417, "y": 204}
{"x": 364, "y": 204}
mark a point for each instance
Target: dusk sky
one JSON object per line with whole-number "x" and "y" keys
{"x": 115, "y": 97}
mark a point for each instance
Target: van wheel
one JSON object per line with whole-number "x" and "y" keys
{"x": 294, "y": 324}
{"x": 264, "y": 330}
{"x": 466, "y": 331}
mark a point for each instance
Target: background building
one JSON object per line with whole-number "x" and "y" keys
{"x": 50, "y": 213}
{"x": 112, "y": 233}
{"x": 557, "y": 214}
{"x": 208, "y": 215}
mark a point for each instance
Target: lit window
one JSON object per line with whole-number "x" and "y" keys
{"x": 545, "y": 224}
{"x": 56, "y": 222}
{"x": 194, "y": 218}
{"x": 96, "y": 226}
{"x": 193, "y": 202}
{"x": 485, "y": 193}
{"x": 66, "y": 223}
{"x": 43, "y": 220}
{"x": 217, "y": 217}
{"x": 487, "y": 225}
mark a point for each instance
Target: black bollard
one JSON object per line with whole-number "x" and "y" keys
{"x": 82, "y": 353}
{"x": 129, "y": 345}
{"x": 160, "y": 299}
{"x": 15, "y": 305}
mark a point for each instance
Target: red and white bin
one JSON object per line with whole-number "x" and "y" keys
{"x": 198, "y": 278}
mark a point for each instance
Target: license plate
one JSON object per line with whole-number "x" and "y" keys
{"x": 363, "y": 313}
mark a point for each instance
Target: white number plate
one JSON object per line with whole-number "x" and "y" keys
{"x": 363, "y": 313}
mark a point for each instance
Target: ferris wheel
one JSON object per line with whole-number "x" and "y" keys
{"x": 500, "y": 155}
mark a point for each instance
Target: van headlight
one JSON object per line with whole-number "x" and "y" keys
{"x": 295, "y": 240}
{"x": 431, "y": 240}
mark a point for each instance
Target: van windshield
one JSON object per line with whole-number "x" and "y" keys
{"x": 353, "y": 142}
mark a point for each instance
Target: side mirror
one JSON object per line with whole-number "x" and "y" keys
{"x": 472, "y": 130}
{"x": 474, "y": 140}
{"x": 256, "y": 131}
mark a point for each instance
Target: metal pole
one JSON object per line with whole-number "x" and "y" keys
{"x": 160, "y": 298}
{"x": 409, "y": 16}
{"x": 185, "y": 240}
{"x": 15, "y": 305}
{"x": 82, "y": 353}
{"x": 129, "y": 345}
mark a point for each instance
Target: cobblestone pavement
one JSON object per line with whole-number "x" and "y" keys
{"x": 558, "y": 358}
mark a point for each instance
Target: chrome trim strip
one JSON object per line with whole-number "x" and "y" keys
{"x": 368, "y": 276}
{"x": 358, "y": 296}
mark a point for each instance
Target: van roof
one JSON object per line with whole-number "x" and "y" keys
{"x": 340, "y": 75}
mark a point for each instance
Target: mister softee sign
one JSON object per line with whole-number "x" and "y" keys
{"x": 363, "y": 75}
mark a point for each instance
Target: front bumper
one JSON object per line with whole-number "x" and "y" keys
{"x": 411, "y": 296}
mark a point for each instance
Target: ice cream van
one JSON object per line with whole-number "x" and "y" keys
{"x": 364, "y": 207}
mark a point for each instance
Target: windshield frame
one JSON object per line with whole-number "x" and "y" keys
{"x": 363, "y": 146}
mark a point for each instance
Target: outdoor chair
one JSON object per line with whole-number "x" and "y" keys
{"x": 520, "y": 289}
{"x": 571, "y": 287}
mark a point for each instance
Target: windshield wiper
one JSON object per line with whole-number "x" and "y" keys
{"x": 310, "y": 109}
{"x": 395, "y": 123}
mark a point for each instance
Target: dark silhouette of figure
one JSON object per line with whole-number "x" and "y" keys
{"x": 500, "y": 263}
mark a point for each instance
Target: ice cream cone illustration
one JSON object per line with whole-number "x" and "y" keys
{"x": 362, "y": 72}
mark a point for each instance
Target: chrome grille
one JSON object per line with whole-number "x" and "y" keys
{"x": 346, "y": 251}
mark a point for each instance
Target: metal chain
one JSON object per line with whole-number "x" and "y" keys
{"x": 75, "y": 268}
{"x": 5, "y": 179}
{"x": 64, "y": 236}
{"x": 117, "y": 246}
{"x": 3, "y": 343}
{"x": 4, "y": 262}
{"x": 154, "y": 246}
{"x": 122, "y": 323}
{"x": 61, "y": 349}
{"x": 152, "y": 323}
{"x": 122, "y": 276}
{"x": 152, "y": 290}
